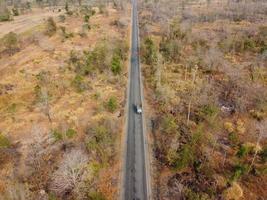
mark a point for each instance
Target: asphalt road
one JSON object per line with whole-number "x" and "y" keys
{"x": 135, "y": 180}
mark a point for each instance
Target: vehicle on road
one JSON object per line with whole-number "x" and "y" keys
{"x": 138, "y": 109}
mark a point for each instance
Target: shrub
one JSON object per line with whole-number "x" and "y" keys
{"x": 86, "y": 68}
{"x": 78, "y": 83}
{"x": 170, "y": 49}
{"x": 263, "y": 154}
{"x": 85, "y": 10}
{"x": 249, "y": 44}
{"x": 209, "y": 110}
{"x": 11, "y": 42}
{"x": 239, "y": 44}
{"x": 82, "y": 64}
{"x": 191, "y": 195}
{"x": 15, "y": 11}
{"x": 74, "y": 57}
{"x": 112, "y": 104}
{"x": 52, "y": 196}
{"x": 38, "y": 93}
{"x": 43, "y": 76}
{"x": 186, "y": 157}
{"x": 65, "y": 34}
{"x": 190, "y": 150}
{"x": 86, "y": 27}
{"x": 66, "y": 7}
{"x": 233, "y": 192}
{"x": 95, "y": 167}
{"x": 116, "y": 65}
{"x": 70, "y": 13}
{"x": 51, "y": 27}
{"x": 57, "y": 135}
{"x": 263, "y": 31}
{"x": 70, "y": 133}
{"x": 5, "y": 15}
{"x": 199, "y": 43}
{"x": 229, "y": 127}
{"x": 168, "y": 124}
{"x": 209, "y": 113}
{"x": 62, "y": 18}
{"x": 121, "y": 49}
{"x": 4, "y": 141}
{"x": 239, "y": 171}
{"x": 82, "y": 34}
{"x": 233, "y": 138}
{"x": 175, "y": 30}
{"x": 98, "y": 57}
{"x": 172, "y": 157}
{"x": 100, "y": 142}
{"x": 92, "y": 12}
{"x": 102, "y": 9}
{"x": 96, "y": 196}
{"x": 28, "y": 5}
{"x": 258, "y": 115}
{"x": 86, "y": 18}
{"x": 243, "y": 151}
{"x": 261, "y": 170}
{"x": 12, "y": 108}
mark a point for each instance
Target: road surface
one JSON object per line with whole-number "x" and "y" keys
{"x": 135, "y": 185}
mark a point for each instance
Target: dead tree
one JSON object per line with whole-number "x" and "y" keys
{"x": 192, "y": 94}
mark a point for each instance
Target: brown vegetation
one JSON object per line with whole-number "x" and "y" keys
{"x": 62, "y": 94}
{"x": 205, "y": 78}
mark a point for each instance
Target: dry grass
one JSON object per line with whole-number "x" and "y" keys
{"x": 21, "y": 107}
{"x": 206, "y": 79}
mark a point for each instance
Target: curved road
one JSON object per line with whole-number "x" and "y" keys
{"x": 135, "y": 184}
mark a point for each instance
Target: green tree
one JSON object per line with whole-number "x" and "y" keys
{"x": 149, "y": 52}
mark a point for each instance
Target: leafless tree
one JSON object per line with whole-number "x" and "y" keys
{"x": 69, "y": 173}
{"x": 45, "y": 102}
{"x": 36, "y": 150}
{"x": 192, "y": 94}
{"x": 158, "y": 70}
{"x": 262, "y": 128}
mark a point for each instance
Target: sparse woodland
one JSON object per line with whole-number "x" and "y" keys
{"x": 205, "y": 69}
{"x": 63, "y": 89}
{"x": 62, "y": 97}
